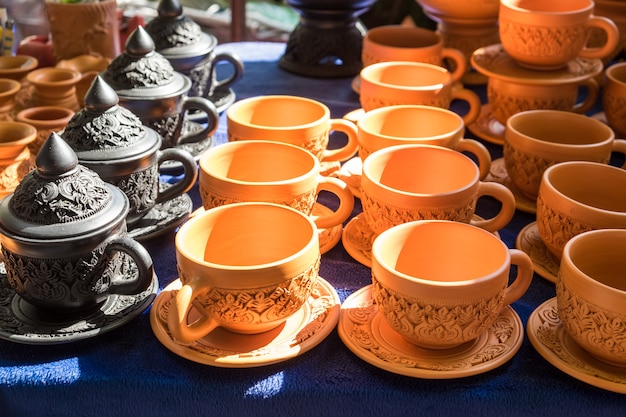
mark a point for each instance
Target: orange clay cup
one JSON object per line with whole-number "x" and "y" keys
{"x": 410, "y": 43}
{"x": 46, "y": 119}
{"x": 245, "y": 267}
{"x": 537, "y": 139}
{"x": 545, "y": 35}
{"x": 296, "y": 120}
{"x": 405, "y": 183}
{"x": 16, "y": 67}
{"x": 54, "y": 87}
{"x": 272, "y": 172}
{"x": 15, "y": 138}
{"x": 398, "y": 125}
{"x": 614, "y": 97}
{"x": 591, "y": 293}
{"x": 578, "y": 196}
{"x": 395, "y": 83}
{"x": 440, "y": 284}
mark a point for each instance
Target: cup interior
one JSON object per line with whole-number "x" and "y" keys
{"x": 12, "y": 132}
{"x": 552, "y": 6}
{"x": 277, "y": 112}
{"x": 400, "y": 74}
{"x": 421, "y": 169}
{"x": 600, "y": 256}
{"x": 590, "y": 184}
{"x": 402, "y": 37}
{"x": 616, "y": 73}
{"x": 441, "y": 251}
{"x": 411, "y": 122}
{"x": 246, "y": 235}
{"x": 257, "y": 162}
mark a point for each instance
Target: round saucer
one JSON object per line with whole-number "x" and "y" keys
{"x": 301, "y": 332}
{"x": 350, "y": 173}
{"x": 486, "y": 127}
{"x": 367, "y": 335}
{"x": 493, "y": 61}
{"x": 328, "y": 237}
{"x": 498, "y": 174}
{"x": 195, "y": 148}
{"x": 358, "y": 237}
{"x": 21, "y": 323}
{"x": 544, "y": 262}
{"x": 162, "y": 218}
{"x": 548, "y": 336}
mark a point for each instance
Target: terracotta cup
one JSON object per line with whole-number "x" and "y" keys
{"x": 54, "y": 87}
{"x": 440, "y": 283}
{"x": 8, "y": 90}
{"x": 296, "y": 120}
{"x": 272, "y": 172}
{"x": 614, "y": 97}
{"x": 394, "y": 83}
{"x": 411, "y": 43}
{"x": 590, "y": 293}
{"x": 46, "y": 119}
{"x": 537, "y": 139}
{"x": 16, "y": 67}
{"x": 578, "y": 196}
{"x": 546, "y": 35}
{"x": 245, "y": 267}
{"x": 508, "y": 97}
{"x": 15, "y": 156}
{"x": 398, "y": 125}
{"x": 405, "y": 183}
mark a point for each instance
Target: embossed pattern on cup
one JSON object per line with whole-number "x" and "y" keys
{"x": 441, "y": 283}
{"x": 614, "y": 97}
{"x": 591, "y": 292}
{"x": 578, "y": 196}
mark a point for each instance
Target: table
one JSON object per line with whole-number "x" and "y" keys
{"x": 127, "y": 372}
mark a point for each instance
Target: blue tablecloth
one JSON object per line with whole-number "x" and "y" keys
{"x": 128, "y": 372}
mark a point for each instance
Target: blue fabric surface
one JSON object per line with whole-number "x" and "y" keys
{"x": 127, "y": 372}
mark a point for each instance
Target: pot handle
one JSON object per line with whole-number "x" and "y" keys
{"x": 237, "y": 73}
{"x": 190, "y": 173}
{"x": 206, "y": 106}
{"x": 140, "y": 255}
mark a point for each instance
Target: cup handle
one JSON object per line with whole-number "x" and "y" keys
{"x": 237, "y": 73}
{"x": 190, "y": 173}
{"x": 346, "y": 202}
{"x": 619, "y": 146}
{"x": 480, "y": 151}
{"x": 505, "y": 197}
{"x": 524, "y": 276}
{"x": 206, "y": 106}
{"x": 142, "y": 259}
{"x": 349, "y": 150}
{"x": 472, "y": 99}
{"x": 460, "y": 62}
{"x": 612, "y": 38}
{"x": 592, "y": 96}
{"x": 179, "y": 310}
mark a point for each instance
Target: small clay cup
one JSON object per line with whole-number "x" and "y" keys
{"x": 406, "y": 183}
{"x": 246, "y": 267}
{"x": 395, "y": 83}
{"x": 16, "y": 67}
{"x": 8, "y": 90}
{"x": 591, "y": 293}
{"x": 578, "y": 196}
{"x": 537, "y": 139}
{"x": 440, "y": 283}
{"x": 46, "y": 119}
{"x": 614, "y": 97}
{"x": 54, "y": 87}
{"x": 15, "y": 138}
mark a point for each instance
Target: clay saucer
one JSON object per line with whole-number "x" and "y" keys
{"x": 545, "y": 263}
{"x": 498, "y": 174}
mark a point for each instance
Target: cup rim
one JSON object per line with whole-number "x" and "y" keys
{"x": 402, "y": 29}
{"x": 380, "y": 66}
{"x": 513, "y": 5}
{"x": 611, "y": 69}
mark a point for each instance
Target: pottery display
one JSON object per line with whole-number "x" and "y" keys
{"x": 89, "y": 66}
{"x": 547, "y": 35}
{"x": 299, "y": 121}
{"x": 614, "y": 97}
{"x": 537, "y": 139}
{"x": 272, "y": 172}
{"x": 8, "y": 90}
{"x": 148, "y": 86}
{"x": 191, "y": 52}
{"x": 578, "y": 196}
{"x": 427, "y": 272}
{"x": 414, "y": 44}
{"x": 63, "y": 235}
{"x": 46, "y": 119}
{"x": 395, "y": 83}
{"x": 247, "y": 267}
{"x": 16, "y": 160}
{"x": 16, "y": 67}
{"x": 590, "y": 293}
{"x": 112, "y": 141}
{"x": 53, "y": 86}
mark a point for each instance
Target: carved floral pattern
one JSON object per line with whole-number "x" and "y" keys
{"x": 315, "y": 144}
{"x": 303, "y": 202}
{"x": 257, "y": 305}
{"x": 150, "y": 70}
{"x": 526, "y": 168}
{"x": 615, "y": 111}
{"x": 380, "y": 215}
{"x": 543, "y": 41}
{"x": 169, "y": 127}
{"x": 505, "y": 105}
{"x": 436, "y": 324}
{"x": 171, "y": 33}
{"x": 590, "y": 324}
{"x": 141, "y": 188}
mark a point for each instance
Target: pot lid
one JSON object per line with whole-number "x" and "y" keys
{"x": 176, "y": 35}
{"x": 104, "y": 130}
{"x": 141, "y": 72}
{"x": 60, "y": 198}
